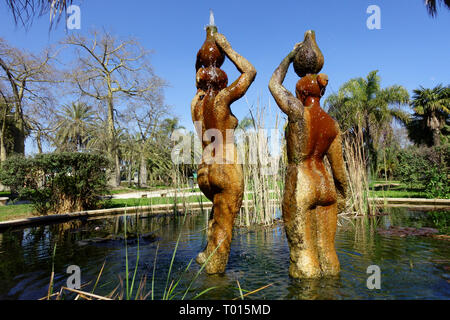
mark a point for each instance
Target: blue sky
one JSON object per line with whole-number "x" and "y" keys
{"x": 410, "y": 49}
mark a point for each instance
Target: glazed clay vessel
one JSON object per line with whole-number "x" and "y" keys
{"x": 309, "y": 58}
{"x": 210, "y": 55}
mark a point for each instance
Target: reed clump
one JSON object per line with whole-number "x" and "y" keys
{"x": 358, "y": 201}
{"x": 263, "y": 172}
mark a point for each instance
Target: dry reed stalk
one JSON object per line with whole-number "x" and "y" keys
{"x": 262, "y": 176}
{"x": 358, "y": 201}
{"x": 252, "y": 292}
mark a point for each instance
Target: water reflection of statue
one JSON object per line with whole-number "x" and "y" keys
{"x": 312, "y": 195}
{"x": 220, "y": 177}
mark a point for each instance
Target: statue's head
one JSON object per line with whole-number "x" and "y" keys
{"x": 211, "y": 78}
{"x": 311, "y": 85}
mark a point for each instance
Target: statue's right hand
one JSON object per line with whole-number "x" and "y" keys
{"x": 294, "y": 51}
{"x": 220, "y": 39}
{"x": 297, "y": 46}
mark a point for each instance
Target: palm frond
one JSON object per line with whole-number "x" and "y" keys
{"x": 24, "y": 11}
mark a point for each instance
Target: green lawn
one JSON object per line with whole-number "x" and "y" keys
{"x": 12, "y": 212}
{"x": 119, "y": 203}
{"x": 135, "y": 189}
{"x": 397, "y": 194}
{"x": 395, "y": 189}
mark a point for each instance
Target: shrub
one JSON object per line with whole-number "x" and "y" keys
{"x": 436, "y": 183}
{"x": 57, "y": 182}
{"x": 426, "y": 167}
{"x": 412, "y": 166}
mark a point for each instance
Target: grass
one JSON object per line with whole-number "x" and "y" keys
{"x": 19, "y": 211}
{"x": 125, "y": 189}
{"x": 5, "y": 194}
{"x": 405, "y": 193}
{"x": 396, "y": 189}
{"x": 119, "y": 203}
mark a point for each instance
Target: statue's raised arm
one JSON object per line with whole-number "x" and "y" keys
{"x": 239, "y": 87}
{"x": 286, "y": 101}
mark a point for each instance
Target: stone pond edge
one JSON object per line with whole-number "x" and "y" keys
{"x": 165, "y": 208}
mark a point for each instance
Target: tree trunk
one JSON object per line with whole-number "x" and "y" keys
{"x": 372, "y": 154}
{"x": 434, "y": 125}
{"x": 19, "y": 138}
{"x": 112, "y": 149}
{"x": 142, "y": 171}
{"x": 19, "y": 126}
{"x": 117, "y": 169}
{"x": 39, "y": 142}
{"x": 2, "y": 148}
{"x": 129, "y": 171}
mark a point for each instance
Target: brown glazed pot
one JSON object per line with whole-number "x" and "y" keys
{"x": 309, "y": 58}
{"x": 210, "y": 55}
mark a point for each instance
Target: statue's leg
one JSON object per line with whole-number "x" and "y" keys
{"x": 220, "y": 229}
{"x": 301, "y": 234}
{"x": 201, "y": 257}
{"x": 326, "y": 232}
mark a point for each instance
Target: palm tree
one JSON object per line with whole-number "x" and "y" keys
{"x": 246, "y": 123}
{"x": 74, "y": 126}
{"x": 361, "y": 104}
{"x": 24, "y": 11}
{"x": 431, "y": 115}
{"x": 432, "y": 6}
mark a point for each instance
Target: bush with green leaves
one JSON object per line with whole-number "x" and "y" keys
{"x": 427, "y": 168}
{"x": 436, "y": 183}
{"x": 412, "y": 166}
{"x": 57, "y": 182}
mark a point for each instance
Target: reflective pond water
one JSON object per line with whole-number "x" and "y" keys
{"x": 411, "y": 267}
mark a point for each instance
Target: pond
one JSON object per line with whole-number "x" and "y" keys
{"x": 411, "y": 267}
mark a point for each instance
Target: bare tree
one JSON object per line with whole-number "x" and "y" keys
{"x": 142, "y": 118}
{"x": 112, "y": 71}
{"x": 24, "y": 78}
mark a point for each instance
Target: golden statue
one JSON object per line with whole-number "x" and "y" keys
{"x": 312, "y": 195}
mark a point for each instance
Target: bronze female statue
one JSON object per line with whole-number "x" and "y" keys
{"x": 220, "y": 177}
{"x": 312, "y": 195}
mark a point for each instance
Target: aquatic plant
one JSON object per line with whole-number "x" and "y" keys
{"x": 128, "y": 290}
{"x": 358, "y": 202}
{"x": 263, "y": 171}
